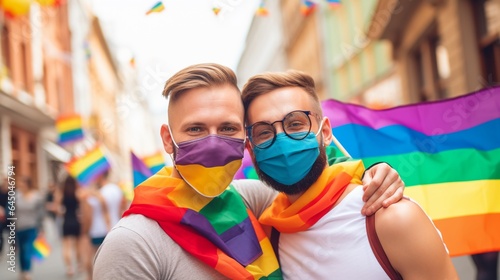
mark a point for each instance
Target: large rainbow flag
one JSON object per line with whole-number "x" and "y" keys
{"x": 447, "y": 153}
{"x": 87, "y": 167}
{"x": 140, "y": 171}
{"x": 69, "y": 128}
{"x": 154, "y": 162}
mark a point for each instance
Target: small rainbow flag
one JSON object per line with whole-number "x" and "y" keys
{"x": 140, "y": 170}
{"x": 307, "y": 7}
{"x": 333, "y": 3}
{"x": 448, "y": 154}
{"x": 41, "y": 248}
{"x": 216, "y": 10}
{"x": 154, "y": 162}
{"x": 262, "y": 10}
{"x": 158, "y": 7}
{"x": 69, "y": 128}
{"x": 87, "y": 167}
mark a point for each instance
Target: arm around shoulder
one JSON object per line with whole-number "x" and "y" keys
{"x": 412, "y": 243}
{"x": 124, "y": 254}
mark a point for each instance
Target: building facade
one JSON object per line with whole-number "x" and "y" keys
{"x": 303, "y": 42}
{"x": 441, "y": 48}
{"x": 264, "y": 45}
{"x": 358, "y": 69}
{"x": 35, "y": 87}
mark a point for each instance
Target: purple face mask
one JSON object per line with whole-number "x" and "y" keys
{"x": 208, "y": 164}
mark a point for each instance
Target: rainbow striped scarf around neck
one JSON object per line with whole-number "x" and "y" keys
{"x": 313, "y": 204}
{"x": 219, "y": 231}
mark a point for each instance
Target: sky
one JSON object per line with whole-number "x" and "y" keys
{"x": 185, "y": 33}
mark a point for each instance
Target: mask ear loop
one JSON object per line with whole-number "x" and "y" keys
{"x": 320, "y": 127}
{"x": 172, "y": 156}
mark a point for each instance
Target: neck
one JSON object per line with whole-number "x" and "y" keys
{"x": 293, "y": 197}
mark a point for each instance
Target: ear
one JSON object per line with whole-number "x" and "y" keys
{"x": 166, "y": 138}
{"x": 326, "y": 130}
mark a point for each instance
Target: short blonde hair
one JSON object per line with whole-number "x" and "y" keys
{"x": 204, "y": 75}
{"x": 267, "y": 82}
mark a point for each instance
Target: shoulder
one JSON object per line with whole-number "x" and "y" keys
{"x": 412, "y": 243}
{"x": 256, "y": 195}
{"x": 136, "y": 246}
{"x": 400, "y": 219}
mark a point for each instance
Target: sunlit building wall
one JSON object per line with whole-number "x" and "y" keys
{"x": 441, "y": 48}
{"x": 264, "y": 45}
{"x": 35, "y": 87}
{"x": 304, "y": 43}
{"x": 358, "y": 69}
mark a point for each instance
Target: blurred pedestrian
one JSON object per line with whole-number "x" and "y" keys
{"x": 486, "y": 265}
{"x": 107, "y": 206}
{"x": 51, "y": 204}
{"x": 30, "y": 212}
{"x": 71, "y": 228}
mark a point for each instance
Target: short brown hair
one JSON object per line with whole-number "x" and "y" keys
{"x": 198, "y": 76}
{"x": 267, "y": 82}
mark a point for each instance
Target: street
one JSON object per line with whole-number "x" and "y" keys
{"x": 50, "y": 268}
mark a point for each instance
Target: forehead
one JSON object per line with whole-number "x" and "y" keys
{"x": 214, "y": 104}
{"x": 276, "y": 104}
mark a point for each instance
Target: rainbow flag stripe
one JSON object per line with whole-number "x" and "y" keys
{"x": 140, "y": 171}
{"x": 41, "y": 248}
{"x": 87, "y": 167}
{"x": 154, "y": 162}
{"x": 158, "y": 7}
{"x": 333, "y": 3}
{"x": 307, "y": 7}
{"x": 69, "y": 128}
{"x": 233, "y": 243}
{"x": 447, "y": 153}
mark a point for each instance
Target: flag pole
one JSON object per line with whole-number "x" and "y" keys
{"x": 341, "y": 148}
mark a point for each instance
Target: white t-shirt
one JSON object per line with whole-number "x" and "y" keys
{"x": 335, "y": 247}
{"x": 112, "y": 195}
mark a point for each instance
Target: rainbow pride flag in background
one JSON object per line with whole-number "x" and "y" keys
{"x": 41, "y": 248}
{"x": 154, "y": 162}
{"x": 87, "y": 167}
{"x": 140, "y": 171}
{"x": 69, "y": 128}
{"x": 158, "y": 7}
{"x": 447, "y": 153}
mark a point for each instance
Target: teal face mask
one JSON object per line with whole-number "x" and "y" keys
{"x": 287, "y": 160}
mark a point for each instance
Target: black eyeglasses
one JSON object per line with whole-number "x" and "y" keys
{"x": 296, "y": 125}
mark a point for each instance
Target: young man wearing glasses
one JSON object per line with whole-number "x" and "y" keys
{"x": 190, "y": 221}
{"x": 323, "y": 235}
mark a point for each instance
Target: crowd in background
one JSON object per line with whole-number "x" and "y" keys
{"x": 82, "y": 217}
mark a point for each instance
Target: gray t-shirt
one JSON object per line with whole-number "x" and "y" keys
{"x": 137, "y": 247}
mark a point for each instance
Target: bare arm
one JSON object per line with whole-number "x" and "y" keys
{"x": 412, "y": 243}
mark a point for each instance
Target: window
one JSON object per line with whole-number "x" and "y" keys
{"x": 428, "y": 83}
{"x": 488, "y": 30}
{"x": 5, "y": 47}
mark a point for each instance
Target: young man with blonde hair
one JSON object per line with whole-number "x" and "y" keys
{"x": 192, "y": 221}
{"x": 323, "y": 234}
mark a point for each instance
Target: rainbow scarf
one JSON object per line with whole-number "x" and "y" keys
{"x": 315, "y": 202}
{"x": 220, "y": 231}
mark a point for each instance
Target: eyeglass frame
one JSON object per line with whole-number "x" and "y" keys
{"x": 308, "y": 114}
